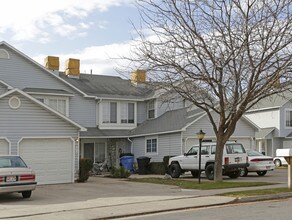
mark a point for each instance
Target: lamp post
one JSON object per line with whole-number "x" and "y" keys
{"x": 200, "y": 136}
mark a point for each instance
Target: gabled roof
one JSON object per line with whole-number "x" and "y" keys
{"x": 273, "y": 101}
{"x": 45, "y": 107}
{"x": 107, "y": 86}
{"x": 42, "y": 67}
{"x": 93, "y": 132}
{"x": 263, "y": 133}
{"x": 47, "y": 91}
{"x": 169, "y": 122}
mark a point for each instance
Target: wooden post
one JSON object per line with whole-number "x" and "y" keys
{"x": 289, "y": 161}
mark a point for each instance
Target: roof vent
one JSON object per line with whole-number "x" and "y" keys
{"x": 72, "y": 67}
{"x": 52, "y": 63}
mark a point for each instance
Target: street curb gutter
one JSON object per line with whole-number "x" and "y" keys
{"x": 236, "y": 200}
{"x": 263, "y": 198}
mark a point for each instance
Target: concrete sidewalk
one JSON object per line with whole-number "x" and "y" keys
{"x": 106, "y": 207}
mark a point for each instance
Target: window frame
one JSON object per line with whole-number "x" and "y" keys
{"x": 106, "y": 105}
{"x": 151, "y": 108}
{"x": 124, "y": 113}
{"x": 288, "y": 119}
{"x": 46, "y": 100}
{"x": 151, "y": 147}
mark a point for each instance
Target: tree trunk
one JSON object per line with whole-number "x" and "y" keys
{"x": 218, "y": 160}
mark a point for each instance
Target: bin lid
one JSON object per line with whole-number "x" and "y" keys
{"x": 143, "y": 158}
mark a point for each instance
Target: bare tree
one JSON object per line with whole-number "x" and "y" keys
{"x": 222, "y": 55}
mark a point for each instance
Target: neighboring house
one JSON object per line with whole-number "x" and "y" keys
{"x": 274, "y": 116}
{"x": 53, "y": 118}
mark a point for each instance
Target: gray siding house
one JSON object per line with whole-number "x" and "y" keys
{"x": 53, "y": 118}
{"x": 274, "y": 117}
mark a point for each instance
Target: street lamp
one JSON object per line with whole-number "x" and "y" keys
{"x": 200, "y": 136}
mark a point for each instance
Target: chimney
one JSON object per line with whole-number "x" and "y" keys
{"x": 52, "y": 63}
{"x": 72, "y": 68}
{"x": 138, "y": 77}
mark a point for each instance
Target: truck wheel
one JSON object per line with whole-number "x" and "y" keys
{"x": 262, "y": 173}
{"x": 174, "y": 170}
{"x": 243, "y": 172}
{"x": 234, "y": 174}
{"x": 209, "y": 171}
{"x": 195, "y": 173}
{"x": 277, "y": 163}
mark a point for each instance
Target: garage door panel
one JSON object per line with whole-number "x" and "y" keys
{"x": 4, "y": 147}
{"x": 52, "y": 159}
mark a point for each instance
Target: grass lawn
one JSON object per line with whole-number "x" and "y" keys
{"x": 185, "y": 184}
{"x": 260, "y": 192}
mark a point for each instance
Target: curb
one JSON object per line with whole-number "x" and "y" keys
{"x": 263, "y": 198}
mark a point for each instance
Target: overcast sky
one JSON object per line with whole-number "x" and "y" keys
{"x": 93, "y": 31}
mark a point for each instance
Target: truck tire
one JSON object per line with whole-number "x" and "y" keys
{"x": 209, "y": 171}
{"x": 174, "y": 170}
{"x": 243, "y": 172}
{"x": 195, "y": 173}
{"x": 234, "y": 174}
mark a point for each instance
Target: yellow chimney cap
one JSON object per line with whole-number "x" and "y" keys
{"x": 52, "y": 63}
{"x": 138, "y": 76}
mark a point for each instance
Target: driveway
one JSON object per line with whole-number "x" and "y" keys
{"x": 99, "y": 187}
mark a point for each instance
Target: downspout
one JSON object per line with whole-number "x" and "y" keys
{"x": 131, "y": 145}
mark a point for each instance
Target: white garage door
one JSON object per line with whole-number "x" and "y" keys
{"x": 52, "y": 159}
{"x": 4, "y": 147}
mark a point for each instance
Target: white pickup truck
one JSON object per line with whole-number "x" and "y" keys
{"x": 234, "y": 158}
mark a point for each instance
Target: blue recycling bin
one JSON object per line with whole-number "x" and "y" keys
{"x": 127, "y": 162}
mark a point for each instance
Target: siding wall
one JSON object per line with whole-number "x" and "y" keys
{"x": 167, "y": 105}
{"x": 21, "y": 73}
{"x": 244, "y": 133}
{"x": 3, "y": 88}
{"x": 168, "y": 145}
{"x": 31, "y": 120}
{"x": 260, "y": 118}
{"x": 141, "y": 112}
{"x": 283, "y": 130}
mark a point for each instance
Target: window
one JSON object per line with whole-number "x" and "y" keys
{"x": 151, "y": 146}
{"x": 127, "y": 113}
{"x": 58, "y": 104}
{"x": 288, "y": 118}
{"x": 193, "y": 151}
{"x": 205, "y": 150}
{"x": 151, "y": 109}
{"x": 109, "y": 112}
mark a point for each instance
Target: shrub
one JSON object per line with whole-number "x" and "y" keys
{"x": 120, "y": 172}
{"x": 157, "y": 168}
{"x": 85, "y": 165}
{"x": 126, "y": 154}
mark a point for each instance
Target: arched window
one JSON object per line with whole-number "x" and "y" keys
{"x": 4, "y": 54}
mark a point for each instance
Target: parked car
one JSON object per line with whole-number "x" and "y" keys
{"x": 279, "y": 160}
{"x": 258, "y": 163}
{"x": 15, "y": 176}
{"x": 234, "y": 158}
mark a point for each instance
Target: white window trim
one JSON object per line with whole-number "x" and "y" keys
{"x": 47, "y": 98}
{"x": 154, "y": 108}
{"x": 118, "y": 124}
{"x": 94, "y": 145}
{"x": 285, "y": 117}
{"x": 157, "y": 144}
